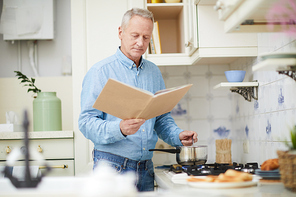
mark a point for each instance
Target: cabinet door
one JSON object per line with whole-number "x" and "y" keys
{"x": 191, "y": 39}
{"x": 58, "y": 167}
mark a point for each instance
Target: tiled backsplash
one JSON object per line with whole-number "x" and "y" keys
{"x": 203, "y": 109}
{"x": 218, "y": 113}
{"x": 265, "y": 123}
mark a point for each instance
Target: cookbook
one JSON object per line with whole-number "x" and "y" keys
{"x": 126, "y": 102}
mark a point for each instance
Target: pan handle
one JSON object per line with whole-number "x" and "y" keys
{"x": 167, "y": 150}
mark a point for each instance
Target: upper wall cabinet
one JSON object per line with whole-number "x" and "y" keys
{"x": 255, "y": 15}
{"x": 191, "y": 33}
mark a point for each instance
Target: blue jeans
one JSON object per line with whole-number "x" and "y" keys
{"x": 143, "y": 169}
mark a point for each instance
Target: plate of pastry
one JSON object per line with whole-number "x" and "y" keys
{"x": 229, "y": 179}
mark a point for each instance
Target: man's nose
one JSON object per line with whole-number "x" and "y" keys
{"x": 140, "y": 41}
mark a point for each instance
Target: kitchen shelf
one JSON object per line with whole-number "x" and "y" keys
{"x": 165, "y": 11}
{"x": 248, "y": 90}
{"x": 286, "y": 66}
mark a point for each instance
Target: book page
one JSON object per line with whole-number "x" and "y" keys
{"x": 169, "y": 90}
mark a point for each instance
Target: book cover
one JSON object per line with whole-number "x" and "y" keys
{"x": 126, "y": 102}
{"x": 156, "y": 38}
{"x": 152, "y": 47}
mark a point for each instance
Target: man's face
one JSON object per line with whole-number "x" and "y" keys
{"x": 135, "y": 37}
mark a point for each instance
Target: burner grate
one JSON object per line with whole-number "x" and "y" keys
{"x": 216, "y": 169}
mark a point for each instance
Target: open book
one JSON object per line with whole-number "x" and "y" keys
{"x": 126, "y": 102}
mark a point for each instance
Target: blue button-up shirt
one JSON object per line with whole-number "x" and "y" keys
{"x": 103, "y": 129}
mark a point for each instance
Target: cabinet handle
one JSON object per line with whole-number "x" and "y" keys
{"x": 60, "y": 166}
{"x": 39, "y": 149}
{"x": 8, "y": 149}
{"x": 187, "y": 44}
{"x": 218, "y": 6}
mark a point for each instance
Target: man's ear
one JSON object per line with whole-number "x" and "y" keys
{"x": 120, "y": 32}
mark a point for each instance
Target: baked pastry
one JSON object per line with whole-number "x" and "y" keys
{"x": 229, "y": 176}
{"x": 270, "y": 164}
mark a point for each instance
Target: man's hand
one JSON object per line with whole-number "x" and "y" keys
{"x": 130, "y": 126}
{"x": 186, "y": 137}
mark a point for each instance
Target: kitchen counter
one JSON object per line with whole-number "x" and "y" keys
{"x": 262, "y": 189}
{"x": 76, "y": 187}
{"x": 36, "y": 135}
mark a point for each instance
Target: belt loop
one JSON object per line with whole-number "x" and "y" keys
{"x": 138, "y": 166}
{"x": 146, "y": 165}
{"x": 124, "y": 163}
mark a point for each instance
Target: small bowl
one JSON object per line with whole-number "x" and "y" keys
{"x": 235, "y": 75}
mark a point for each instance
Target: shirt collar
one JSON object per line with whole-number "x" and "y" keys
{"x": 128, "y": 62}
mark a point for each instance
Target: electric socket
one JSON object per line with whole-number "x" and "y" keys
{"x": 246, "y": 146}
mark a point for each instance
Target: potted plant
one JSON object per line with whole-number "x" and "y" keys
{"x": 27, "y": 82}
{"x": 47, "y": 113}
{"x": 287, "y": 162}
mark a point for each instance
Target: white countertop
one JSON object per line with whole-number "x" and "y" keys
{"x": 36, "y": 135}
{"x": 74, "y": 187}
{"x": 261, "y": 190}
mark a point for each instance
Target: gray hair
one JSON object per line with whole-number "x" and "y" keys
{"x": 135, "y": 11}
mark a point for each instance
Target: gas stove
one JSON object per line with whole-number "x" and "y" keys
{"x": 216, "y": 169}
{"x": 178, "y": 173}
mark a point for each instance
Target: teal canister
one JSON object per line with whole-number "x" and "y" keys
{"x": 47, "y": 112}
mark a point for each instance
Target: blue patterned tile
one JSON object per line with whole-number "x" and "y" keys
{"x": 178, "y": 111}
{"x": 268, "y": 127}
{"x": 222, "y": 132}
{"x": 247, "y": 130}
{"x": 281, "y": 98}
{"x": 256, "y": 104}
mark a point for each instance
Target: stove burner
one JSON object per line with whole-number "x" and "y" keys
{"x": 176, "y": 168}
{"x": 213, "y": 169}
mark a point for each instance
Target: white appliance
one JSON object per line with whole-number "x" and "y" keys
{"x": 27, "y": 20}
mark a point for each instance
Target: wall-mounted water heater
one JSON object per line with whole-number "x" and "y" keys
{"x": 27, "y": 20}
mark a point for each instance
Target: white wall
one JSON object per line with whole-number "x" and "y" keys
{"x": 14, "y": 97}
{"x": 265, "y": 123}
{"x": 53, "y": 55}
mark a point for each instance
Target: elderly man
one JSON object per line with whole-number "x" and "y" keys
{"x": 125, "y": 144}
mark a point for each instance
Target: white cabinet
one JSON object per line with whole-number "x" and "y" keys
{"x": 250, "y": 15}
{"x": 56, "y": 147}
{"x": 191, "y": 33}
{"x": 28, "y": 20}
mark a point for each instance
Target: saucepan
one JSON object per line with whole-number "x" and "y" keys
{"x": 188, "y": 155}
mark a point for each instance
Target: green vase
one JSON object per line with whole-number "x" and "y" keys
{"x": 47, "y": 112}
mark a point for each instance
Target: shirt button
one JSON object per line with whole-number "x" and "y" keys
{"x": 143, "y": 130}
{"x": 143, "y": 148}
{"x": 130, "y": 67}
{"x": 134, "y": 65}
